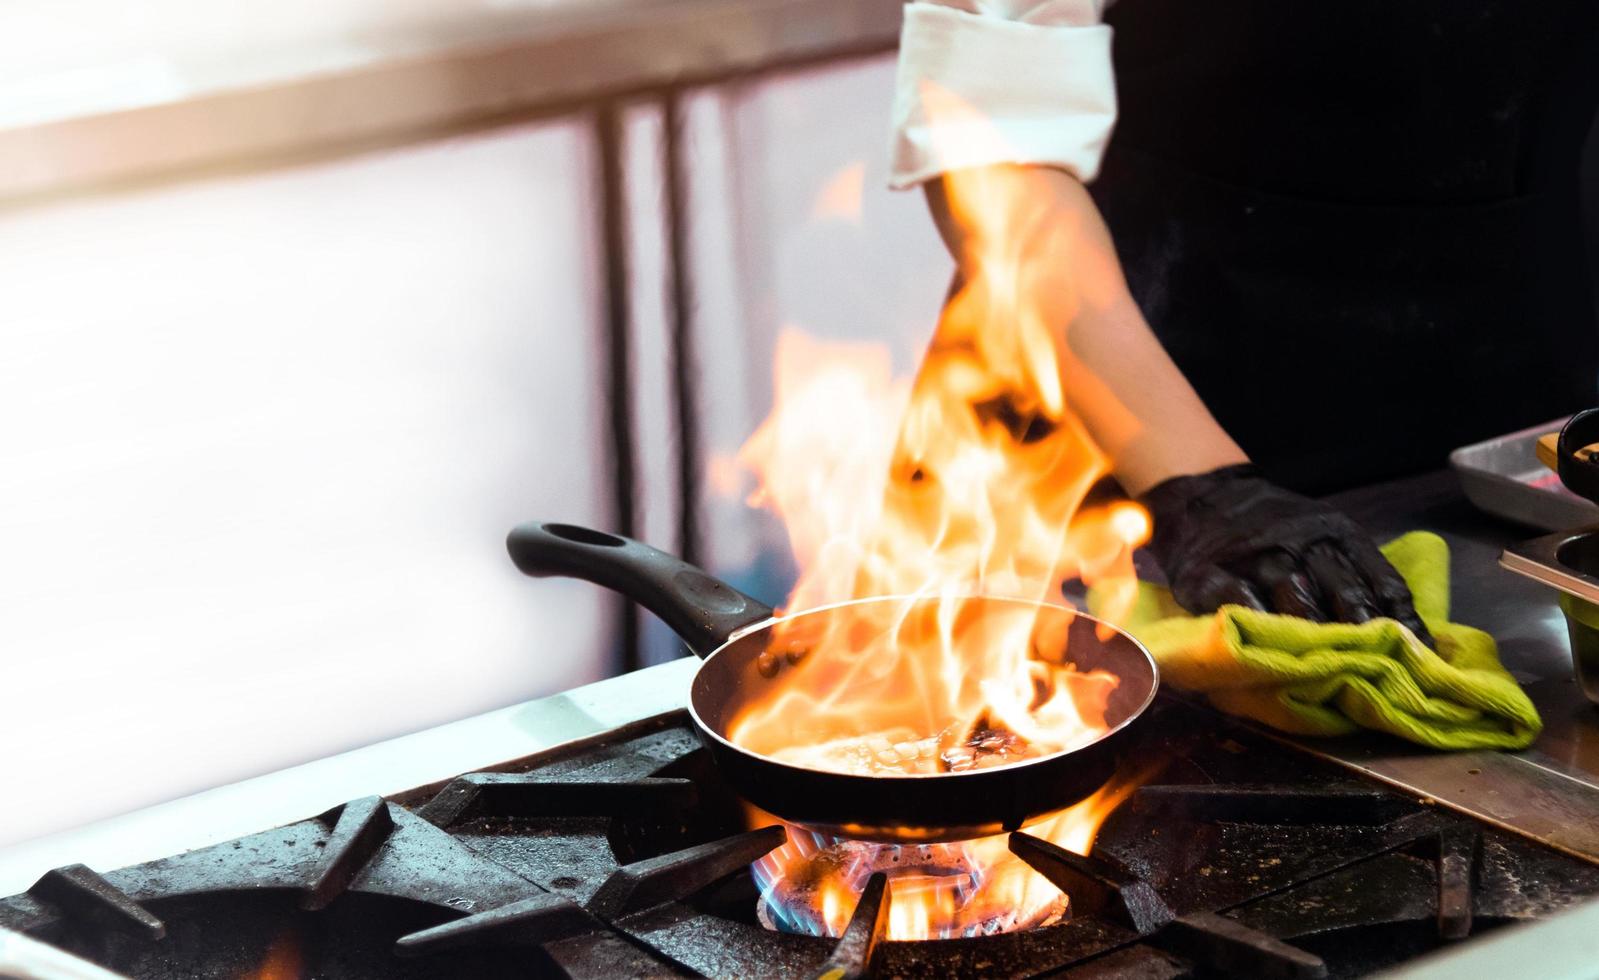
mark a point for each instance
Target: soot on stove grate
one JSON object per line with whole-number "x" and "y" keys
{"x": 626, "y": 856}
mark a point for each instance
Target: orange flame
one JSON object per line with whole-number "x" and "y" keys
{"x": 842, "y": 196}
{"x": 283, "y": 961}
{"x": 970, "y": 479}
{"x": 939, "y": 891}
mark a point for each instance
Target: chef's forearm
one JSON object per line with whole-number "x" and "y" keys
{"x": 1135, "y": 402}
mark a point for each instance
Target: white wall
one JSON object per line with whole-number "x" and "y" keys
{"x": 260, "y": 442}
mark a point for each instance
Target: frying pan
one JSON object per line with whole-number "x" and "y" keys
{"x": 731, "y": 631}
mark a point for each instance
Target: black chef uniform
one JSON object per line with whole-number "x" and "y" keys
{"x": 1355, "y": 224}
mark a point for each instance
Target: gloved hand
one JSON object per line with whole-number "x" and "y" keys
{"x": 1231, "y": 536}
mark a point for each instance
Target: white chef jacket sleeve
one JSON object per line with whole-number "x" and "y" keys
{"x": 1040, "y": 72}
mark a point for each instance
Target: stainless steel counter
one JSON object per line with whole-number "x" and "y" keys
{"x": 1549, "y": 792}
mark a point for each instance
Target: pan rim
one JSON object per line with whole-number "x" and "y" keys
{"x": 737, "y": 635}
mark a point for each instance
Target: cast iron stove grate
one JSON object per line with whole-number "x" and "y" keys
{"x": 626, "y": 856}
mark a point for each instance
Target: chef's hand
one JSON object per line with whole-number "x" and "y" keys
{"x": 1231, "y": 536}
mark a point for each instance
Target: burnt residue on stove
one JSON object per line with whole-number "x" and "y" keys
{"x": 630, "y": 857}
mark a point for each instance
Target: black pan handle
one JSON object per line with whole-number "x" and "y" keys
{"x": 1580, "y": 474}
{"x": 704, "y": 611}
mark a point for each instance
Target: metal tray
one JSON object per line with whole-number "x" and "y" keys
{"x": 1503, "y": 476}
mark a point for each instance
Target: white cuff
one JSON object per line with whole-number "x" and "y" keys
{"x": 1047, "y": 92}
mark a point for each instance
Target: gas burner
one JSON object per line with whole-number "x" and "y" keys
{"x": 627, "y": 856}
{"x": 811, "y": 884}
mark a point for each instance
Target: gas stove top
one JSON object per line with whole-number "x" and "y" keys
{"x": 625, "y": 855}
{"x": 601, "y": 845}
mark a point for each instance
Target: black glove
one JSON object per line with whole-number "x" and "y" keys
{"x": 1230, "y": 536}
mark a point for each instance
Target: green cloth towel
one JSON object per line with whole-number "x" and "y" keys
{"x": 1336, "y": 678}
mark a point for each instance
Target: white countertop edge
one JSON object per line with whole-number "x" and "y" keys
{"x": 385, "y": 768}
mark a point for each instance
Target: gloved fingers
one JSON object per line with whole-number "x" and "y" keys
{"x": 1347, "y": 592}
{"x": 1209, "y": 588}
{"x": 1291, "y": 592}
{"x": 1393, "y": 595}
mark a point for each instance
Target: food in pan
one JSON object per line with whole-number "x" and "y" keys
{"x": 927, "y": 691}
